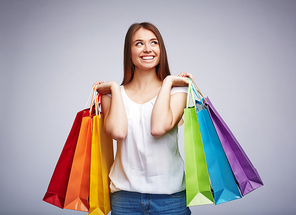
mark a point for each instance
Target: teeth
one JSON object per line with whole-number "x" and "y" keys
{"x": 147, "y": 58}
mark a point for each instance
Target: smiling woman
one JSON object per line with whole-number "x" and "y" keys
{"x": 145, "y": 50}
{"x": 162, "y": 70}
{"x": 142, "y": 115}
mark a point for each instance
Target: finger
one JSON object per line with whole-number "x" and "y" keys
{"x": 189, "y": 75}
{"x": 182, "y": 74}
{"x": 97, "y": 83}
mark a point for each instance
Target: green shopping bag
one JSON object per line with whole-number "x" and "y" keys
{"x": 198, "y": 186}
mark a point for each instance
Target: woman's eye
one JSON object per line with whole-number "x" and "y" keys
{"x": 154, "y": 42}
{"x": 139, "y": 43}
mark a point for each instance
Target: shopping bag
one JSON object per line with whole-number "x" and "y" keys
{"x": 245, "y": 173}
{"x": 198, "y": 187}
{"x": 78, "y": 185}
{"x": 57, "y": 187}
{"x": 77, "y": 195}
{"x": 222, "y": 180}
{"x": 101, "y": 160}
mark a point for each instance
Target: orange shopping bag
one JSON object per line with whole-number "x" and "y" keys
{"x": 101, "y": 160}
{"x": 57, "y": 187}
{"x": 77, "y": 196}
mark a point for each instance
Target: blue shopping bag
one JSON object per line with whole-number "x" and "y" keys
{"x": 222, "y": 179}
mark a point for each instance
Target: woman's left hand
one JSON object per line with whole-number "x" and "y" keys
{"x": 179, "y": 81}
{"x": 186, "y": 75}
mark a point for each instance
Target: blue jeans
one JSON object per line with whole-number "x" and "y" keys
{"x": 132, "y": 203}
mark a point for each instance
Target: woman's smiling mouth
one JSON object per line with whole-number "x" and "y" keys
{"x": 147, "y": 57}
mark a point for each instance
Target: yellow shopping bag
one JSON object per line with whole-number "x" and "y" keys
{"x": 101, "y": 161}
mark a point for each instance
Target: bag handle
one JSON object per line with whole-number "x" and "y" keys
{"x": 191, "y": 92}
{"x": 198, "y": 93}
{"x": 96, "y": 101}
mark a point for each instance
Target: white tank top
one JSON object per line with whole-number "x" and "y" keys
{"x": 144, "y": 163}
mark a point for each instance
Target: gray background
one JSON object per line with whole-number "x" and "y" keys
{"x": 242, "y": 54}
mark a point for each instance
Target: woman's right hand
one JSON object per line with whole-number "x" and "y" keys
{"x": 105, "y": 87}
{"x": 115, "y": 119}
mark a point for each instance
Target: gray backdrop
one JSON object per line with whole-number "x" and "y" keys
{"x": 240, "y": 52}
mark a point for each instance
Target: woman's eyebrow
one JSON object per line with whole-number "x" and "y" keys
{"x": 140, "y": 40}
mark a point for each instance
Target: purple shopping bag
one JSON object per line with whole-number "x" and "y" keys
{"x": 245, "y": 173}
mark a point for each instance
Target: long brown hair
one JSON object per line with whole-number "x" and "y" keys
{"x": 162, "y": 69}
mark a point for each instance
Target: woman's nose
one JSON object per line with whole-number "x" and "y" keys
{"x": 147, "y": 49}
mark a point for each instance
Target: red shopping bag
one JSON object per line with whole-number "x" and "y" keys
{"x": 57, "y": 187}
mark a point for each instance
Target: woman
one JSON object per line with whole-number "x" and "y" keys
{"x": 142, "y": 114}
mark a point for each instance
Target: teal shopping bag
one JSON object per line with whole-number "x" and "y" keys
{"x": 222, "y": 179}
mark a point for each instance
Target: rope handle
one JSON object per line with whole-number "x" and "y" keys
{"x": 198, "y": 93}
{"x": 190, "y": 94}
{"x": 96, "y": 101}
{"x": 194, "y": 90}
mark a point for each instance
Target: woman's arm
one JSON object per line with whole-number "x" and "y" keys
{"x": 115, "y": 119}
{"x": 168, "y": 109}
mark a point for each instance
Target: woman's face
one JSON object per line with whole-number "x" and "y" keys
{"x": 145, "y": 50}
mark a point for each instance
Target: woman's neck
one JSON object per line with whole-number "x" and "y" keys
{"x": 144, "y": 87}
{"x": 145, "y": 79}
